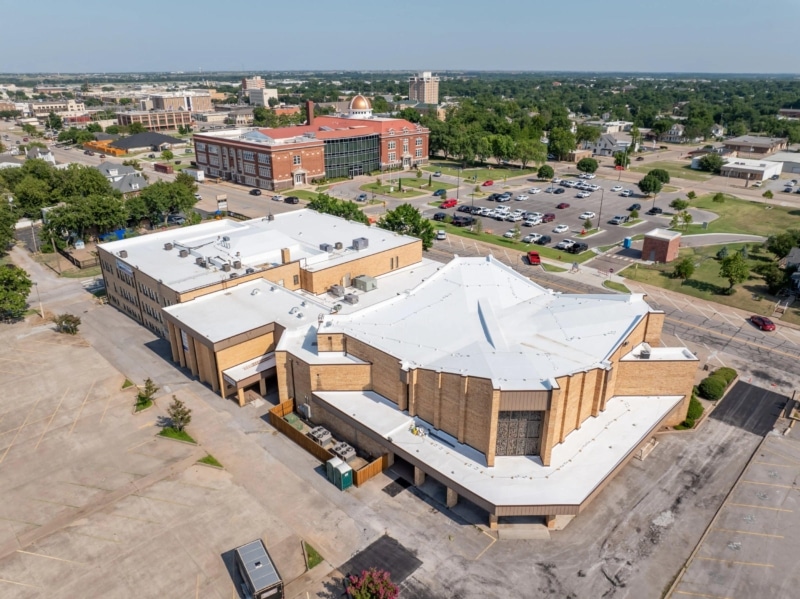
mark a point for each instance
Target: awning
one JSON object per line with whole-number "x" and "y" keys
{"x": 240, "y": 372}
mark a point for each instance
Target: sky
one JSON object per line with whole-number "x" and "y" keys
{"x": 696, "y": 36}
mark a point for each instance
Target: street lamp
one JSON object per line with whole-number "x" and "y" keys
{"x": 39, "y": 299}
{"x": 600, "y": 214}
{"x": 458, "y": 185}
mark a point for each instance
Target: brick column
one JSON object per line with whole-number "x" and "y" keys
{"x": 452, "y": 498}
{"x": 492, "y": 522}
{"x": 550, "y": 521}
{"x": 419, "y": 477}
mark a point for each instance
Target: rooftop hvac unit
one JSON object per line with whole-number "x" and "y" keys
{"x": 644, "y": 354}
{"x": 344, "y": 451}
{"x": 351, "y": 298}
{"x": 237, "y": 263}
{"x": 365, "y": 283}
{"x": 305, "y": 410}
{"x": 183, "y": 253}
{"x": 337, "y": 290}
{"x": 326, "y": 247}
{"x": 250, "y": 271}
{"x": 360, "y": 243}
{"x": 123, "y": 253}
{"x": 200, "y": 260}
{"x": 339, "y": 245}
{"x": 320, "y": 434}
{"x": 168, "y": 246}
{"x": 226, "y": 267}
{"x": 233, "y": 275}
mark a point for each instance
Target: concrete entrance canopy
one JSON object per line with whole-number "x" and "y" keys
{"x": 515, "y": 485}
{"x": 249, "y": 372}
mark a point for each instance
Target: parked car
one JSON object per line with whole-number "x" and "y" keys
{"x": 449, "y": 203}
{"x": 550, "y": 189}
{"x": 577, "y": 247}
{"x": 562, "y": 205}
{"x": 532, "y": 221}
{"x": 504, "y": 197}
{"x": 176, "y": 219}
{"x": 291, "y": 200}
{"x": 559, "y": 190}
{"x": 548, "y": 217}
{"x": 762, "y": 322}
{"x": 583, "y": 194}
{"x": 463, "y": 221}
{"x": 758, "y": 184}
{"x": 362, "y": 197}
{"x": 618, "y": 220}
{"x": 561, "y": 229}
{"x": 788, "y": 189}
{"x": 475, "y": 210}
{"x": 616, "y": 188}
{"x": 440, "y": 216}
{"x": 437, "y": 174}
{"x": 653, "y": 211}
{"x": 626, "y": 193}
{"x": 441, "y": 234}
{"x": 564, "y": 244}
{"x": 26, "y": 139}
{"x": 89, "y": 153}
{"x": 556, "y": 179}
{"x": 440, "y": 192}
{"x": 543, "y": 240}
{"x": 521, "y": 197}
{"x": 277, "y": 197}
{"x": 633, "y": 207}
{"x": 488, "y": 183}
{"x": 531, "y": 238}
{"x": 464, "y": 208}
{"x": 534, "y": 258}
{"x": 151, "y": 155}
{"x": 255, "y": 192}
{"x": 534, "y": 190}
{"x": 510, "y": 234}
{"x": 639, "y": 158}
{"x": 587, "y": 214}
{"x": 102, "y": 155}
{"x": 514, "y": 218}
{"x": 775, "y": 177}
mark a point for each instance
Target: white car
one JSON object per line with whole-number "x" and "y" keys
{"x": 441, "y": 234}
{"x": 564, "y": 244}
{"x": 486, "y": 211}
{"x": 584, "y": 194}
{"x": 570, "y": 183}
{"x": 626, "y": 193}
{"x": 535, "y": 215}
{"x": 521, "y": 197}
{"x": 616, "y": 188}
{"x": 534, "y": 190}
{"x": 277, "y": 198}
{"x": 532, "y": 221}
{"x": 513, "y": 218}
{"x": 556, "y": 179}
{"x": 550, "y": 189}
{"x": 589, "y": 176}
{"x": 510, "y": 234}
{"x": 532, "y": 238}
{"x": 586, "y": 215}
{"x": 561, "y": 229}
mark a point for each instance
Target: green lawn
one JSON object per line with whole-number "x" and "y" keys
{"x": 496, "y": 238}
{"x": 384, "y": 190}
{"x": 314, "y": 558}
{"x": 171, "y": 433}
{"x": 210, "y": 460}
{"x": 422, "y": 184}
{"x": 143, "y": 405}
{"x": 127, "y": 384}
{"x": 679, "y": 170}
{"x": 478, "y": 174}
{"x": 744, "y": 216}
{"x": 552, "y": 268}
{"x": 616, "y": 286}
{"x": 303, "y": 194}
{"x": 706, "y": 283}
{"x": 81, "y": 273}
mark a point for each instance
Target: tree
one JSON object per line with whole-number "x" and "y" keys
{"x": 502, "y": 147}
{"x": 660, "y": 174}
{"x": 622, "y": 159}
{"x": 660, "y": 127}
{"x": 134, "y": 128}
{"x": 407, "y": 220}
{"x": 161, "y": 199}
{"x": 187, "y": 181}
{"x": 31, "y": 195}
{"x": 691, "y": 195}
{"x": 587, "y": 133}
{"x": 719, "y": 197}
{"x": 529, "y": 150}
{"x": 735, "y": 269}
{"x": 179, "y": 414}
{"x": 113, "y": 130}
{"x": 650, "y": 185}
{"x": 711, "y": 163}
{"x": 54, "y": 121}
{"x": 723, "y": 253}
{"x": 587, "y": 224}
{"x": 8, "y": 220}
{"x": 30, "y": 129}
{"x": 145, "y": 395}
{"x": 545, "y": 172}
{"x": 483, "y": 147}
{"x": 634, "y": 214}
{"x": 273, "y": 102}
{"x": 67, "y": 323}
{"x": 684, "y": 268}
{"x": 587, "y": 165}
{"x": 371, "y": 584}
{"x": 79, "y": 216}
{"x": 768, "y": 195}
{"x": 561, "y": 143}
{"x": 686, "y": 219}
{"x": 167, "y": 155}
{"x": 782, "y": 243}
{"x": 325, "y": 204}
{"x": 80, "y": 180}
{"x": 679, "y": 204}
{"x": 94, "y": 128}
{"x": 15, "y": 285}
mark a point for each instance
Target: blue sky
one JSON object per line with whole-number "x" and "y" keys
{"x": 267, "y": 35}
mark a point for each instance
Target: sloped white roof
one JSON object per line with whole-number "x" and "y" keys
{"x": 479, "y": 317}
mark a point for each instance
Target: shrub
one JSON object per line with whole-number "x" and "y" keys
{"x": 728, "y": 374}
{"x": 695, "y": 409}
{"x": 372, "y": 584}
{"x": 67, "y": 323}
{"x": 712, "y": 387}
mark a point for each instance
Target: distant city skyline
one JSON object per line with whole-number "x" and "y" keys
{"x": 681, "y": 36}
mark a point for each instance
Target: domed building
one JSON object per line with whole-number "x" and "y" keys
{"x": 360, "y": 108}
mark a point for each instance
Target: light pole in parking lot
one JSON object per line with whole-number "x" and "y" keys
{"x": 600, "y": 213}
{"x": 458, "y": 185}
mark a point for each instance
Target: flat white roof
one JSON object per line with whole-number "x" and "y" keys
{"x": 663, "y": 234}
{"x": 256, "y": 243}
{"x": 578, "y": 465}
{"x": 478, "y": 316}
{"x": 247, "y": 369}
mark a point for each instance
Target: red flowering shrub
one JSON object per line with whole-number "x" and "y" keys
{"x": 372, "y": 584}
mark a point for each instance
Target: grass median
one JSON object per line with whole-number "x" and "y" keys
{"x": 744, "y": 216}
{"x": 679, "y": 170}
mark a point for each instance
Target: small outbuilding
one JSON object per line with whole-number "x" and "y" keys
{"x": 261, "y": 578}
{"x": 661, "y": 245}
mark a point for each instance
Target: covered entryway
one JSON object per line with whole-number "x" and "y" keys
{"x": 299, "y": 177}
{"x": 248, "y": 375}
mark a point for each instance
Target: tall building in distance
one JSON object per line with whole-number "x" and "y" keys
{"x": 251, "y": 83}
{"x": 424, "y": 88}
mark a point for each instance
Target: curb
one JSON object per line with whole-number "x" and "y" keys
{"x": 160, "y": 436}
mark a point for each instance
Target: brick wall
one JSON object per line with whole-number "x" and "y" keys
{"x": 385, "y": 368}
{"x": 344, "y": 431}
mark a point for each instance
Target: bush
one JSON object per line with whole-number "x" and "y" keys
{"x": 372, "y": 584}
{"x": 728, "y": 374}
{"x": 712, "y": 387}
{"x": 695, "y": 409}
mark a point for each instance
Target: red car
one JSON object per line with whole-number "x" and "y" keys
{"x": 562, "y": 205}
{"x": 451, "y": 203}
{"x": 549, "y": 217}
{"x": 763, "y": 323}
{"x": 488, "y": 183}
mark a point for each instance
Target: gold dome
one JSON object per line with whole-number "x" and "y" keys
{"x": 360, "y": 103}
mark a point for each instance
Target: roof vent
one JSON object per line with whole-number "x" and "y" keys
{"x": 183, "y": 253}
{"x": 339, "y": 245}
{"x": 270, "y": 217}
{"x": 226, "y": 238}
{"x": 226, "y": 267}
{"x": 123, "y": 253}
{"x": 250, "y": 271}
{"x": 234, "y": 275}
{"x": 645, "y": 352}
{"x": 168, "y": 246}
{"x": 255, "y": 292}
{"x": 326, "y": 247}
{"x": 237, "y": 263}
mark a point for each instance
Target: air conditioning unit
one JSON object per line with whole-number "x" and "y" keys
{"x": 183, "y": 253}
{"x": 233, "y": 275}
{"x": 336, "y": 291}
{"x": 344, "y": 451}
{"x": 339, "y": 245}
{"x": 326, "y": 247}
{"x": 644, "y": 354}
{"x": 250, "y": 271}
{"x": 123, "y": 253}
{"x": 168, "y": 246}
{"x": 351, "y": 298}
{"x": 237, "y": 264}
{"x": 305, "y": 410}
{"x": 226, "y": 267}
{"x": 321, "y": 435}
{"x": 360, "y": 243}
{"x": 365, "y": 283}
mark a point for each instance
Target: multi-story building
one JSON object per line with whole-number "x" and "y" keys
{"x": 749, "y": 146}
{"x": 156, "y": 120}
{"x": 261, "y": 96}
{"x": 519, "y": 399}
{"x": 327, "y": 147}
{"x": 45, "y": 107}
{"x": 251, "y": 83}
{"x": 188, "y": 100}
{"x": 424, "y": 88}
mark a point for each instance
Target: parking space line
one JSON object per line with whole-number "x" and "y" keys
{"x": 147, "y": 424}
{"x": 19, "y": 521}
{"x": 83, "y": 534}
{"x": 730, "y": 561}
{"x": 780, "y": 455}
{"x": 31, "y": 411}
{"x": 745, "y": 532}
{"x": 140, "y": 444}
{"x": 761, "y": 507}
{"x": 134, "y": 518}
{"x": 49, "y": 422}
{"x": 776, "y": 465}
{"x": 163, "y": 500}
{"x": 64, "y": 482}
{"x": 60, "y": 559}
{"x": 22, "y": 584}
{"x": 732, "y": 338}
{"x": 754, "y": 482}
{"x": 78, "y": 416}
{"x": 701, "y": 595}
{"x": 485, "y": 549}
{"x": 77, "y": 507}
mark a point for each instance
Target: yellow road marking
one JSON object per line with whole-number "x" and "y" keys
{"x": 60, "y": 559}
{"x": 147, "y": 424}
{"x": 778, "y": 465}
{"x": 701, "y": 595}
{"x": 19, "y": 521}
{"x": 730, "y": 561}
{"x": 49, "y": 422}
{"x": 753, "y": 482}
{"x": 22, "y": 584}
{"x": 745, "y": 532}
{"x": 761, "y": 507}
{"x": 82, "y": 405}
{"x": 485, "y": 549}
{"x": 164, "y": 500}
{"x": 780, "y": 455}
{"x": 83, "y": 534}
{"x": 5, "y": 453}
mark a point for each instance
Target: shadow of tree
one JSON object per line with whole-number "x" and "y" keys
{"x": 705, "y": 287}
{"x": 334, "y": 588}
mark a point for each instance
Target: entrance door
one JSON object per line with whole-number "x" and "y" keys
{"x": 406, "y": 162}
{"x": 299, "y": 178}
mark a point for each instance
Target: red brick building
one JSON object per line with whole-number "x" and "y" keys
{"x": 661, "y": 245}
{"x": 327, "y": 147}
